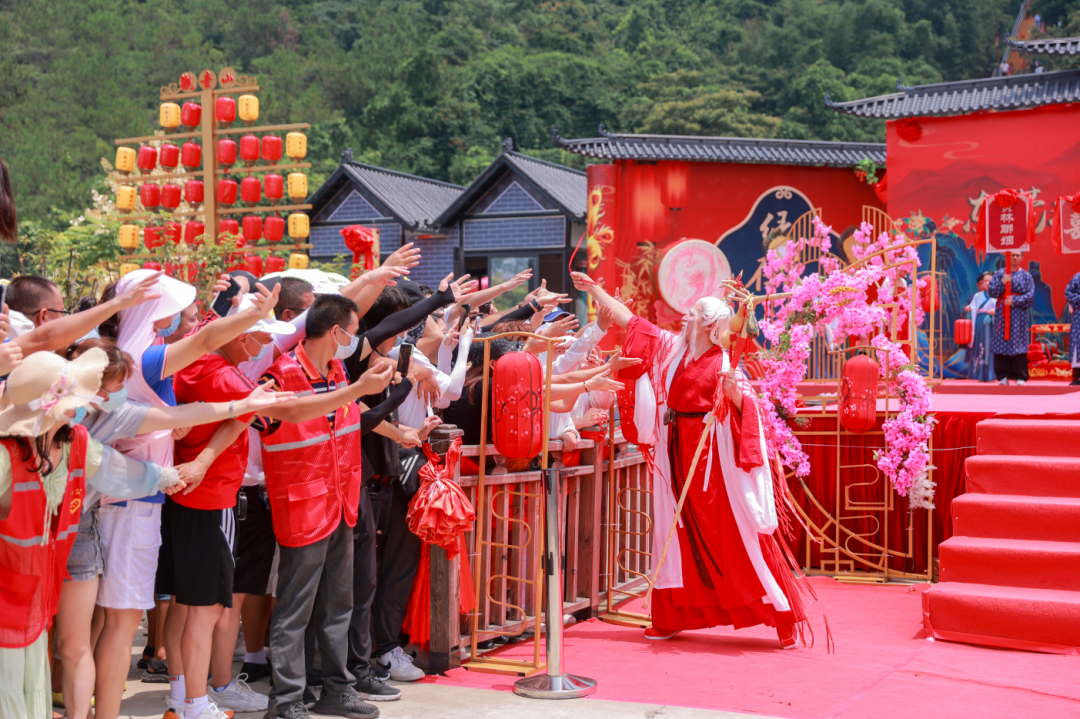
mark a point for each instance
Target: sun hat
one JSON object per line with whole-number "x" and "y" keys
{"x": 270, "y": 325}
{"x": 45, "y": 386}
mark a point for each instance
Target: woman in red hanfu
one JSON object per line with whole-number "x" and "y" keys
{"x": 724, "y": 566}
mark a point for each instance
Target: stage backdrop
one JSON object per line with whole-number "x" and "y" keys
{"x": 936, "y": 183}
{"x": 639, "y": 211}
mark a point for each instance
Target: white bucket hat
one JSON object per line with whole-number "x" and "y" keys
{"x": 270, "y": 325}
{"x": 45, "y": 386}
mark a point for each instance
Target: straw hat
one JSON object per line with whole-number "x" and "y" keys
{"x": 45, "y": 386}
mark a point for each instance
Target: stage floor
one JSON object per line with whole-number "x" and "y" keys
{"x": 882, "y": 666}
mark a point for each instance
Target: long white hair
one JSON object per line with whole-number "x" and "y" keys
{"x": 714, "y": 313}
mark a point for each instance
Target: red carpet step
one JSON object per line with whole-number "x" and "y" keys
{"x": 1039, "y": 437}
{"x": 1024, "y": 474}
{"x": 1011, "y": 571}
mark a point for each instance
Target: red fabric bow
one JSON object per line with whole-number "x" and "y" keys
{"x": 1006, "y": 198}
{"x": 361, "y": 240}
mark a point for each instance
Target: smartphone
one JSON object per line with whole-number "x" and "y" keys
{"x": 223, "y": 302}
{"x": 3, "y": 297}
{"x": 403, "y": 359}
{"x": 465, "y": 310}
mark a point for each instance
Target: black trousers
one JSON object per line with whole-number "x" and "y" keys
{"x": 1014, "y": 367}
{"x": 365, "y": 574}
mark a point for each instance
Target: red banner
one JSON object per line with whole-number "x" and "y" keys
{"x": 1066, "y": 230}
{"x": 1006, "y": 222}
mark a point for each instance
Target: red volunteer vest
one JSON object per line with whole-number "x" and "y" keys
{"x": 33, "y": 557}
{"x": 312, "y": 471}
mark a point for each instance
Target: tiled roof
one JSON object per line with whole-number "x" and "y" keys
{"x": 1048, "y": 46}
{"x": 1013, "y": 92}
{"x": 414, "y": 201}
{"x": 722, "y": 149}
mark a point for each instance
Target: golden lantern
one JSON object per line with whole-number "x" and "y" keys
{"x": 125, "y": 159}
{"x": 125, "y": 198}
{"x": 296, "y": 146}
{"x": 249, "y": 109}
{"x": 299, "y": 228}
{"x": 170, "y": 115}
{"x": 129, "y": 237}
{"x": 298, "y": 261}
{"x": 128, "y": 267}
{"x": 297, "y": 186}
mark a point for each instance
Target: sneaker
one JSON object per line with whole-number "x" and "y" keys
{"x": 400, "y": 666}
{"x": 156, "y": 673}
{"x": 373, "y": 689}
{"x": 659, "y": 635}
{"x": 296, "y": 710}
{"x": 172, "y": 709}
{"x": 237, "y": 695}
{"x": 144, "y": 660}
{"x": 379, "y": 671}
{"x": 1021, "y": 382}
{"x": 309, "y": 697}
{"x": 255, "y": 672}
{"x": 1004, "y": 382}
{"x": 345, "y": 705}
{"x": 213, "y": 711}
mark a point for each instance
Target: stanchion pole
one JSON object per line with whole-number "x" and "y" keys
{"x": 555, "y": 683}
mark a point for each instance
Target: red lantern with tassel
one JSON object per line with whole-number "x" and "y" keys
{"x": 194, "y": 192}
{"x": 271, "y": 148}
{"x": 193, "y": 231}
{"x": 152, "y": 237}
{"x": 191, "y": 156}
{"x": 249, "y": 150}
{"x": 150, "y": 196}
{"x": 226, "y": 152}
{"x": 227, "y": 192}
{"x": 225, "y": 109}
{"x": 250, "y": 191}
{"x": 170, "y": 196}
{"x": 361, "y": 240}
{"x": 253, "y": 263}
{"x": 858, "y": 394}
{"x": 274, "y": 188}
{"x": 190, "y": 115}
{"x": 517, "y": 412}
{"x": 926, "y": 293}
{"x": 274, "y": 264}
{"x": 274, "y": 229}
{"x": 962, "y": 332}
{"x": 146, "y": 159}
{"x": 229, "y": 227}
{"x": 173, "y": 232}
{"x": 253, "y": 228}
{"x": 169, "y": 157}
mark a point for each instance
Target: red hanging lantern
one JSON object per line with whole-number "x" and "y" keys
{"x": 962, "y": 332}
{"x": 274, "y": 229}
{"x": 190, "y": 115}
{"x": 169, "y": 157}
{"x": 274, "y": 188}
{"x": 147, "y": 158}
{"x": 192, "y": 232}
{"x": 170, "y": 196}
{"x": 229, "y": 227}
{"x": 193, "y": 192}
{"x": 151, "y": 265}
{"x": 227, "y": 190}
{"x": 926, "y": 293}
{"x": 517, "y": 412}
{"x": 274, "y": 264}
{"x": 250, "y": 191}
{"x": 225, "y": 110}
{"x": 858, "y": 394}
{"x": 249, "y": 150}
{"x": 191, "y": 156}
{"x": 226, "y": 152}
{"x": 173, "y": 232}
{"x": 152, "y": 237}
{"x": 253, "y": 264}
{"x": 253, "y": 228}
{"x": 150, "y": 196}
{"x": 271, "y": 148}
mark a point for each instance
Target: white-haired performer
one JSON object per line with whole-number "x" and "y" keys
{"x": 723, "y": 566}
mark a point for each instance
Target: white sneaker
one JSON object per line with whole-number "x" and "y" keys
{"x": 213, "y": 711}
{"x": 1021, "y": 382}
{"x": 1004, "y": 382}
{"x": 238, "y": 696}
{"x": 400, "y": 666}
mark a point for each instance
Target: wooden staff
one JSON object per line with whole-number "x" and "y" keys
{"x": 748, "y": 307}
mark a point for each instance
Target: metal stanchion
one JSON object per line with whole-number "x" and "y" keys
{"x": 555, "y": 684}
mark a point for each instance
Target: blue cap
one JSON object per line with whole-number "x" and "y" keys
{"x": 555, "y": 314}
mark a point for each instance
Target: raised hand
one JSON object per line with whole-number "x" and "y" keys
{"x": 430, "y": 423}
{"x": 141, "y": 291}
{"x": 11, "y": 356}
{"x": 222, "y": 283}
{"x": 560, "y": 327}
{"x": 452, "y": 336}
{"x": 518, "y": 279}
{"x": 264, "y": 300}
{"x": 461, "y": 287}
{"x": 376, "y": 378}
{"x": 386, "y": 274}
{"x": 603, "y": 318}
{"x": 603, "y": 383}
{"x": 581, "y": 281}
{"x": 618, "y": 362}
{"x": 408, "y": 255}
{"x": 264, "y": 396}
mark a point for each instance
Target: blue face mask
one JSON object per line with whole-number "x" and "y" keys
{"x": 172, "y": 326}
{"x": 115, "y": 400}
{"x": 80, "y": 415}
{"x": 262, "y": 352}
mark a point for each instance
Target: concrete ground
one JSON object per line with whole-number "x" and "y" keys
{"x": 147, "y": 701}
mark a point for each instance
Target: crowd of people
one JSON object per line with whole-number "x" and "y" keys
{"x": 223, "y": 471}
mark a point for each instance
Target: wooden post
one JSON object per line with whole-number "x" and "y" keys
{"x": 445, "y": 592}
{"x": 590, "y": 526}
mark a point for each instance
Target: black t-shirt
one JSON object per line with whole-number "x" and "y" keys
{"x": 466, "y": 414}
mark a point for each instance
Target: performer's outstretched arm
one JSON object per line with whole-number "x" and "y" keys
{"x": 619, "y": 312}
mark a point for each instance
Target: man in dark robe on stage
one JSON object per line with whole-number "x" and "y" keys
{"x": 724, "y": 566}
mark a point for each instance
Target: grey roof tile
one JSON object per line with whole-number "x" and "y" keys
{"x": 1048, "y": 46}
{"x": 569, "y": 188}
{"x": 956, "y": 98}
{"x": 416, "y": 201}
{"x": 722, "y": 149}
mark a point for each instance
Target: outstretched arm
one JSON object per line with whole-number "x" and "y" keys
{"x": 620, "y": 313}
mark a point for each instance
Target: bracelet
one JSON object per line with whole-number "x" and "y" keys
{"x": 232, "y": 409}
{"x": 585, "y": 385}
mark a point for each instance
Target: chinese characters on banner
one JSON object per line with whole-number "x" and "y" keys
{"x": 1007, "y": 227}
{"x": 1067, "y": 225}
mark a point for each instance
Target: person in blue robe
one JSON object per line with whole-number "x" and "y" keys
{"x": 1010, "y": 356}
{"x": 1072, "y": 296}
{"x": 981, "y": 312}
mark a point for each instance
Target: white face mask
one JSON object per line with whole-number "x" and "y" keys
{"x": 262, "y": 350}
{"x": 344, "y": 352}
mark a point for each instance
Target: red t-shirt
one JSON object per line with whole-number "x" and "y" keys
{"x": 212, "y": 379}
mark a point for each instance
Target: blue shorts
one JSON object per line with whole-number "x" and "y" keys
{"x": 86, "y": 560}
